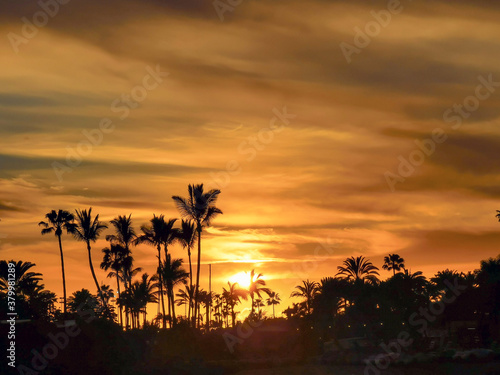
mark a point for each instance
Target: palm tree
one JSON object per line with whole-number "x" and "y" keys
{"x": 26, "y": 281}
{"x": 124, "y": 238}
{"x": 199, "y": 207}
{"x": 274, "y": 299}
{"x": 206, "y": 300}
{"x": 172, "y": 275}
{"x": 125, "y": 233}
{"x": 56, "y": 222}
{"x": 257, "y": 286}
{"x": 88, "y": 230}
{"x": 186, "y": 236}
{"x": 232, "y": 296}
{"x": 358, "y": 270}
{"x": 186, "y": 297}
{"x": 308, "y": 290}
{"x": 393, "y": 262}
{"x": 114, "y": 258}
{"x": 82, "y": 300}
{"x": 160, "y": 233}
{"x": 144, "y": 292}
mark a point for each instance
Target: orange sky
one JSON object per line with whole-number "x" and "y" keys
{"x": 315, "y": 176}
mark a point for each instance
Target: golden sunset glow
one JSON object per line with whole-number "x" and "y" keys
{"x": 311, "y": 149}
{"x": 242, "y": 278}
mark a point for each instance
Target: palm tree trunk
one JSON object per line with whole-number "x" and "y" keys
{"x": 196, "y": 302}
{"x": 190, "y": 284}
{"x": 95, "y": 278}
{"x": 174, "y": 318}
{"x": 118, "y": 289}
{"x": 169, "y": 305}
{"x": 63, "y": 277}
{"x": 161, "y": 288}
{"x": 274, "y": 316}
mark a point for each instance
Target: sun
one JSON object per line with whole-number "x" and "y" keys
{"x": 242, "y": 278}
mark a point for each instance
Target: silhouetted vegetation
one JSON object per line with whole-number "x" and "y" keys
{"x": 452, "y": 310}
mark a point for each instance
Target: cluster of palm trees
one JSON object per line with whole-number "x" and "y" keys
{"x": 356, "y": 300}
{"x": 197, "y": 210}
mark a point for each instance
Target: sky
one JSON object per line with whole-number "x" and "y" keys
{"x": 333, "y": 129}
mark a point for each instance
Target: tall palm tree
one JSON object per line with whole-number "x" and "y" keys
{"x": 257, "y": 286}
{"x": 125, "y": 232}
{"x": 160, "y": 233}
{"x": 124, "y": 237}
{"x": 358, "y": 269}
{"x": 114, "y": 259}
{"x": 88, "y": 230}
{"x": 56, "y": 222}
{"x": 199, "y": 206}
{"x": 187, "y": 236}
{"x": 274, "y": 299}
{"x": 393, "y": 262}
{"x": 308, "y": 290}
{"x": 172, "y": 275}
{"x": 232, "y": 295}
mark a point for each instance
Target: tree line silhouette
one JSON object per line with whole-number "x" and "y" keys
{"x": 353, "y": 302}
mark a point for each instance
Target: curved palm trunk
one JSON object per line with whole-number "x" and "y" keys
{"x": 196, "y": 302}
{"x": 118, "y": 289}
{"x": 63, "y": 276}
{"x": 161, "y": 288}
{"x": 95, "y": 278}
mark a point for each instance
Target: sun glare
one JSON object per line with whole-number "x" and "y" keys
{"x": 242, "y": 278}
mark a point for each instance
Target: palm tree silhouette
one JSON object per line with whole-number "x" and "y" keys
{"x": 232, "y": 295}
{"x": 56, "y": 222}
{"x": 199, "y": 207}
{"x": 257, "y": 286}
{"x": 206, "y": 300}
{"x": 82, "y": 300}
{"x": 172, "y": 275}
{"x": 26, "y": 281}
{"x": 88, "y": 230}
{"x": 186, "y": 236}
{"x": 393, "y": 262}
{"x": 358, "y": 270}
{"x": 308, "y": 291}
{"x": 123, "y": 238}
{"x": 125, "y": 233}
{"x": 186, "y": 297}
{"x": 274, "y": 299}
{"x": 114, "y": 259}
{"x": 160, "y": 233}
